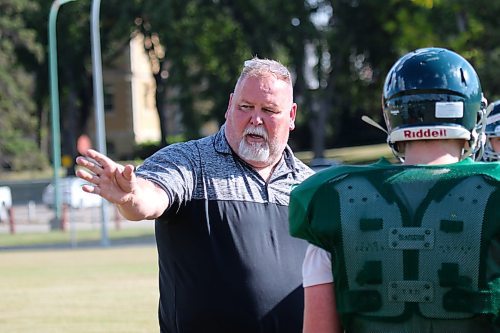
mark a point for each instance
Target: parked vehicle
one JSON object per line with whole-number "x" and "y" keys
{"x": 5, "y": 202}
{"x": 71, "y": 194}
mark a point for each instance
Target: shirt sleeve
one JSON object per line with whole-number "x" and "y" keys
{"x": 317, "y": 267}
{"x": 174, "y": 169}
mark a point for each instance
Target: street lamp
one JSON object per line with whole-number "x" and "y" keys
{"x": 54, "y": 98}
{"x": 99, "y": 106}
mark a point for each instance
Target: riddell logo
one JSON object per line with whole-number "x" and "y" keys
{"x": 424, "y": 134}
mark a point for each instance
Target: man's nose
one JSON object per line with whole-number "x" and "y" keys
{"x": 256, "y": 118}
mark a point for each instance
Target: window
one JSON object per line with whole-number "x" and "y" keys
{"x": 108, "y": 98}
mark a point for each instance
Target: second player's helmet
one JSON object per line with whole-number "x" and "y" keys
{"x": 492, "y": 131}
{"x": 433, "y": 93}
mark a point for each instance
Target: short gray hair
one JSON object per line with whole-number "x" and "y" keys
{"x": 260, "y": 67}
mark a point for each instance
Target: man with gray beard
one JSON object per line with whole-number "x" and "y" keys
{"x": 226, "y": 261}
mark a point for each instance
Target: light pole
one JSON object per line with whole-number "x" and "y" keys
{"x": 99, "y": 106}
{"x": 54, "y": 98}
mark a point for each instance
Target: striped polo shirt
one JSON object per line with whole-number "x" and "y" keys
{"x": 226, "y": 260}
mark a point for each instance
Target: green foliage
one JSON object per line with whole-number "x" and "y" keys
{"x": 338, "y": 50}
{"x": 364, "y": 38}
{"x": 146, "y": 149}
{"x": 19, "y": 153}
{"x": 206, "y": 43}
{"x": 18, "y": 146}
{"x": 176, "y": 138}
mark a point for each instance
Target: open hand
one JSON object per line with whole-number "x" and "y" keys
{"x": 112, "y": 181}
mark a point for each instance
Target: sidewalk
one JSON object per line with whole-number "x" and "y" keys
{"x": 34, "y": 217}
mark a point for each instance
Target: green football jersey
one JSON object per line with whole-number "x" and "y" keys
{"x": 414, "y": 248}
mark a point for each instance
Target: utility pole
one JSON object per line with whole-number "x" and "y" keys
{"x": 99, "y": 106}
{"x": 54, "y": 98}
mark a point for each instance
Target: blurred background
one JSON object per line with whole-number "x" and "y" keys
{"x": 168, "y": 67}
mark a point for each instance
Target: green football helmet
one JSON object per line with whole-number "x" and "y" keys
{"x": 433, "y": 93}
{"x": 492, "y": 131}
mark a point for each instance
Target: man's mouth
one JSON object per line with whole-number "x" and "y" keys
{"x": 255, "y": 136}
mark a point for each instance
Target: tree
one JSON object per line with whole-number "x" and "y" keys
{"x": 338, "y": 50}
{"x": 363, "y": 39}
{"x": 18, "y": 146}
{"x": 197, "y": 49}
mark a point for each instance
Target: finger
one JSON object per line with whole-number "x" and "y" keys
{"x": 87, "y": 159}
{"x": 101, "y": 159}
{"x": 91, "y": 178}
{"x": 82, "y": 161}
{"x": 92, "y": 161}
{"x": 85, "y": 175}
{"x": 90, "y": 164}
{"x": 128, "y": 172}
{"x": 125, "y": 179}
{"x": 91, "y": 189}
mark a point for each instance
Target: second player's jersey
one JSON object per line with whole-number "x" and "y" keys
{"x": 407, "y": 240}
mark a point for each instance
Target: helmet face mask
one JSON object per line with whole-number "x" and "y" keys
{"x": 492, "y": 130}
{"x": 433, "y": 93}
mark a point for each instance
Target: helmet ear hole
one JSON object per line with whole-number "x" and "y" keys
{"x": 462, "y": 76}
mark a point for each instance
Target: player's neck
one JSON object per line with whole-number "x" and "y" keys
{"x": 431, "y": 160}
{"x": 433, "y": 152}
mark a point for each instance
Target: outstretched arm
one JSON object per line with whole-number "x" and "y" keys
{"x": 136, "y": 198}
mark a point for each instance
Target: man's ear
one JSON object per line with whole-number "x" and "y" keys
{"x": 293, "y": 114}
{"x": 229, "y": 105}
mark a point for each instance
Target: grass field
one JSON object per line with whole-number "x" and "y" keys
{"x": 82, "y": 238}
{"x": 352, "y": 155}
{"x": 104, "y": 290}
